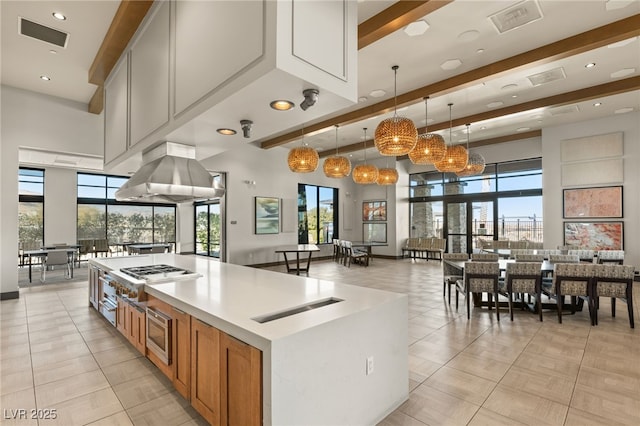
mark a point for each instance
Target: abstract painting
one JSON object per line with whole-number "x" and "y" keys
{"x": 594, "y": 235}
{"x": 582, "y": 203}
{"x": 267, "y": 215}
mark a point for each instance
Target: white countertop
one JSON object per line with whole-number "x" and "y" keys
{"x": 227, "y": 296}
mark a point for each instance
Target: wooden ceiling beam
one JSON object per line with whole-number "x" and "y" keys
{"x": 603, "y": 90}
{"x": 589, "y": 40}
{"x": 124, "y": 25}
{"x": 395, "y": 17}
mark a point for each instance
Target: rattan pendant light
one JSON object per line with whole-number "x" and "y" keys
{"x": 456, "y": 157}
{"x": 397, "y": 135}
{"x": 475, "y": 164}
{"x": 365, "y": 173}
{"x": 387, "y": 176}
{"x": 303, "y": 159}
{"x": 430, "y": 147}
{"x": 336, "y": 166}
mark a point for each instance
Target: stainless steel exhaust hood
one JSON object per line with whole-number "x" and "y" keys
{"x": 170, "y": 174}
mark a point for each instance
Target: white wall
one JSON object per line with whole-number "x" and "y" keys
{"x": 45, "y": 122}
{"x": 629, "y": 124}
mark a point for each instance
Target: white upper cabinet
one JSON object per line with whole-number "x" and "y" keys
{"x": 150, "y": 76}
{"x": 116, "y": 104}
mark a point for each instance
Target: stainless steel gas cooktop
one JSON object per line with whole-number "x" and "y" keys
{"x": 155, "y": 273}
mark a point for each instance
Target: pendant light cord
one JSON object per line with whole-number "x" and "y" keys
{"x": 336, "y": 140}
{"x": 426, "y": 115}
{"x": 450, "y": 126}
{"x": 395, "y": 90}
{"x": 365, "y": 144}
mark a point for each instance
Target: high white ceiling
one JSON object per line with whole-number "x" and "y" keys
{"x": 461, "y": 30}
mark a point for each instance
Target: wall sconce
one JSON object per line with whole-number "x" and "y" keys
{"x": 250, "y": 182}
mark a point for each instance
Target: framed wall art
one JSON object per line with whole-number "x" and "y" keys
{"x": 594, "y": 235}
{"x": 267, "y": 215}
{"x": 374, "y": 210}
{"x": 374, "y": 232}
{"x": 586, "y": 203}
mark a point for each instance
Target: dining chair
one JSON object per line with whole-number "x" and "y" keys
{"x": 101, "y": 246}
{"x": 530, "y": 258}
{"x": 524, "y": 277}
{"x": 564, "y": 258}
{"x": 611, "y": 256}
{"x": 585, "y": 256}
{"x": 573, "y": 279}
{"x": 336, "y": 249}
{"x": 485, "y": 257}
{"x": 516, "y": 252}
{"x": 616, "y": 282}
{"x": 451, "y": 274}
{"x": 53, "y": 259}
{"x": 480, "y": 277}
{"x": 361, "y": 257}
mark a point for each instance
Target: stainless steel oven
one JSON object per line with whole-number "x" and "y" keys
{"x": 159, "y": 334}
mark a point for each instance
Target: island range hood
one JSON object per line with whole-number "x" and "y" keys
{"x": 170, "y": 173}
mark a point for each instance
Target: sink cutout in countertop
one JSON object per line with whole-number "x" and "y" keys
{"x": 293, "y": 311}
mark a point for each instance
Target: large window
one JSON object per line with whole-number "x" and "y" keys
{"x": 30, "y": 208}
{"x": 317, "y": 214}
{"x": 101, "y": 216}
{"x": 209, "y": 232}
{"x": 505, "y": 202}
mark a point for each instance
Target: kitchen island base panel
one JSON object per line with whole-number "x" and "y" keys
{"x": 319, "y": 377}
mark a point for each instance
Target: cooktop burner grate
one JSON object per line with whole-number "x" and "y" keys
{"x": 144, "y": 272}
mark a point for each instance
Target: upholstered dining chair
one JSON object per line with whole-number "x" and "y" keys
{"x": 480, "y": 277}
{"x": 611, "y": 256}
{"x": 53, "y": 259}
{"x": 563, "y": 258}
{"x": 517, "y": 252}
{"x": 485, "y": 257}
{"x": 336, "y": 250}
{"x": 530, "y": 258}
{"x": 451, "y": 274}
{"x": 572, "y": 279}
{"x": 616, "y": 282}
{"x": 361, "y": 257}
{"x": 524, "y": 277}
{"x": 585, "y": 256}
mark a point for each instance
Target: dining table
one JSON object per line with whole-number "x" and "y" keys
{"x": 297, "y": 249}
{"x": 71, "y": 253}
{"x": 148, "y": 248}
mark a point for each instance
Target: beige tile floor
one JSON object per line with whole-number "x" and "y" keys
{"x": 56, "y": 353}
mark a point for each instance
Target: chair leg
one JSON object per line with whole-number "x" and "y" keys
{"x": 613, "y": 307}
{"x": 449, "y": 291}
{"x": 510, "y": 296}
{"x": 457, "y": 298}
{"x": 497, "y": 306}
{"x": 539, "y": 304}
{"x": 560, "y": 302}
{"x": 467, "y": 296}
{"x": 630, "y": 305}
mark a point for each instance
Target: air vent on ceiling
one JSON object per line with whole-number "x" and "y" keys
{"x": 42, "y": 33}
{"x": 547, "y": 76}
{"x": 565, "y": 109}
{"x": 516, "y": 16}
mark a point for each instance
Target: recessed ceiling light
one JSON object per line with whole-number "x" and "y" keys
{"x": 495, "y": 104}
{"x": 514, "y": 96}
{"x": 416, "y": 28}
{"x": 451, "y": 64}
{"x": 45, "y": 77}
{"x": 597, "y": 104}
{"x": 590, "y": 65}
{"x": 53, "y": 52}
{"x": 59, "y": 16}
{"x": 617, "y": 4}
{"x": 281, "y": 105}
{"x": 468, "y": 36}
{"x": 378, "y": 93}
{"x": 362, "y": 99}
{"x": 483, "y": 128}
{"x": 509, "y": 87}
{"x": 523, "y": 129}
{"x": 226, "y": 132}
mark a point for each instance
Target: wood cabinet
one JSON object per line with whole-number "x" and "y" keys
{"x": 240, "y": 382}
{"x": 181, "y": 352}
{"x": 205, "y": 370}
{"x": 131, "y": 322}
{"x": 137, "y": 333}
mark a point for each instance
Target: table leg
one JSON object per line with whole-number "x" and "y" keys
{"x": 29, "y": 268}
{"x": 286, "y": 262}
{"x": 308, "y": 263}
{"x": 297, "y": 263}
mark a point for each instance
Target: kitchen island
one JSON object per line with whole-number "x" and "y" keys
{"x": 331, "y": 354}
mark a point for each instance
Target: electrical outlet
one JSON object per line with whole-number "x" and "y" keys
{"x": 369, "y": 365}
